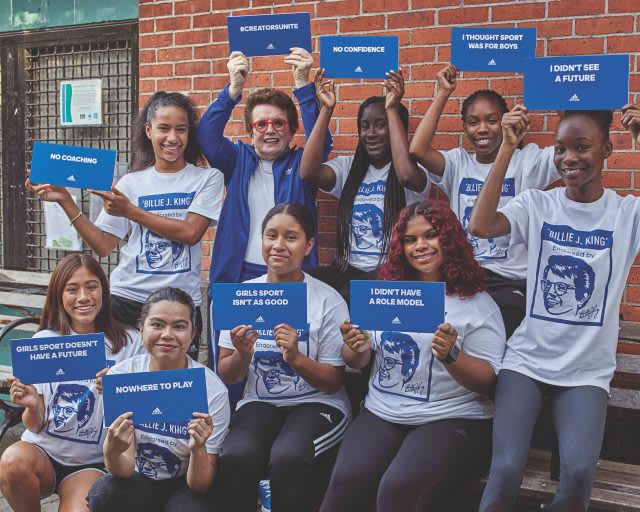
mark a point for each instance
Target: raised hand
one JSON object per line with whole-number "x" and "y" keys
{"x": 238, "y": 67}
{"x": 514, "y": 125}
{"x": 199, "y": 428}
{"x": 357, "y": 340}
{"x": 394, "y": 86}
{"x": 443, "y": 340}
{"x": 301, "y": 62}
{"x": 115, "y": 202}
{"x": 631, "y": 120}
{"x": 447, "y": 79}
{"x": 325, "y": 90}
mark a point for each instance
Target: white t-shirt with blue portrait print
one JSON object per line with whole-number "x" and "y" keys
{"x": 408, "y": 385}
{"x": 162, "y": 448}
{"x": 367, "y": 224}
{"x": 579, "y": 258}
{"x": 270, "y": 379}
{"x": 73, "y": 432}
{"x": 463, "y": 177}
{"x": 148, "y": 261}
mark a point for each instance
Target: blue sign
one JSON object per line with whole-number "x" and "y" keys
{"x": 261, "y": 305}
{"x": 58, "y": 358}
{"x": 581, "y": 82}
{"x": 269, "y": 34}
{"x": 72, "y": 166}
{"x": 166, "y": 395}
{"x": 406, "y": 306}
{"x": 359, "y": 56}
{"x": 492, "y": 49}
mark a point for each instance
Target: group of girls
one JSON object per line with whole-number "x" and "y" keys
{"x": 425, "y": 424}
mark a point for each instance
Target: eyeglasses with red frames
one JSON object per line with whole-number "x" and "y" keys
{"x": 278, "y": 124}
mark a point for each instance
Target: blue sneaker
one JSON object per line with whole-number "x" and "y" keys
{"x": 264, "y": 493}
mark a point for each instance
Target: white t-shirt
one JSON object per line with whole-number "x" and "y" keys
{"x": 148, "y": 261}
{"x": 162, "y": 449}
{"x": 408, "y": 385}
{"x": 73, "y": 431}
{"x": 367, "y": 225}
{"x": 530, "y": 168}
{"x": 579, "y": 258}
{"x": 261, "y": 198}
{"x": 270, "y": 379}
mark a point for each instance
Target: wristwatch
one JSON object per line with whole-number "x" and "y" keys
{"x": 452, "y": 356}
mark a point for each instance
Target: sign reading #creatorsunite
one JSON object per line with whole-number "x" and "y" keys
{"x": 261, "y": 305}
{"x": 58, "y": 358}
{"x": 405, "y": 306}
{"x": 163, "y": 396}
{"x": 492, "y": 49}
{"x": 269, "y": 34}
{"x": 72, "y": 166}
{"x": 581, "y": 82}
{"x": 359, "y": 56}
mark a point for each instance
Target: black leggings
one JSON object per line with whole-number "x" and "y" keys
{"x": 341, "y": 281}
{"x": 405, "y": 467}
{"x": 511, "y": 297}
{"x": 289, "y": 445}
{"x": 578, "y": 415}
{"x": 141, "y": 494}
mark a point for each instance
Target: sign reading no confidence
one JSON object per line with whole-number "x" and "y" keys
{"x": 359, "y": 56}
{"x": 581, "y": 82}
{"x": 492, "y": 49}
{"x": 269, "y": 34}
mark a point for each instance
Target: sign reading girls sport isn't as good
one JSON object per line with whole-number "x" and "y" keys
{"x": 261, "y": 305}
{"x": 72, "y": 166}
{"x": 58, "y": 358}
{"x": 492, "y": 49}
{"x": 359, "y": 56}
{"x": 168, "y": 395}
{"x": 269, "y": 34}
{"x": 581, "y": 82}
{"x": 406, "y": 306}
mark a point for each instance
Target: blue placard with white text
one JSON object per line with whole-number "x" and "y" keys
{"x": 162, "y": 396}
{"x": 407, "y": 306}
{"x": 58, "y": 358}
{"x": 72, "y": 166}
{"x": 261, "y": 305}
{"x": 359, "y": 56}
{"x": 492, "y": 49}
{"x": 269, "y": 34}
{"x": 580, "y": 82}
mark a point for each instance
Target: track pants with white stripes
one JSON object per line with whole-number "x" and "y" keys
{"x": 288, "y": 445}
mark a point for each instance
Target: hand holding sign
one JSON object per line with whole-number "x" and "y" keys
{"x": 325, "y": 90}
{"x": 443, "y": 340}
{"x": 200, "y": 429}
{"x": 244, "y": 338}
{"x": 99, "y": 376}
{"x": 357, "y": 340}
{"x": 238, "y": 67}
{"x": 24, "y": 395}
{"x": 47, "y": 192}
{"x": 631, "y": 120}
{"x": 394, "y": 85}
{"x": 447, "y": 79}
{"x": 120, "y": 435}
{"x": 286, "y": 338}
{"x": 301, "y": 62}
{"x": 514, "y": 125}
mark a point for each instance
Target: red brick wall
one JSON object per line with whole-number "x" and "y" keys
{"x": 183, "y": 47}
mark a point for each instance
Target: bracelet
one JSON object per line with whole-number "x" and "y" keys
{"x": 75, "y": 218}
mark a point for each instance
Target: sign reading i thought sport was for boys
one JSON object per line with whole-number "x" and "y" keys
{"x": 581, "y": 82}
{"x": 397, "y": 305}
{"x": 261, "y": 305}
{"x": 492, "y": 49}
{"x": 58, "y": 358}
{"x": 269, "y": 34}
{"x": 359, "y": 56}
{"x": 164, "y": 396}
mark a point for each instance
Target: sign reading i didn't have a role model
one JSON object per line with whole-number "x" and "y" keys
{"x": 492, "y": 49}
{"x": 162, "y": 396}
{"x": 261, "y": 305}
{"x": 72, "y": 166}
{"x": 58, "y": 358}
{"x": 359, "y": 56}
{"x": 406, "y": 306}
{"x": 580, "y": 82}
{"x": 269, "y": 34}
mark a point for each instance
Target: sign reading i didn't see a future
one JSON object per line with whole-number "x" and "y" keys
{"x": 58, "y": 358}
{"x": 405, "y": 306}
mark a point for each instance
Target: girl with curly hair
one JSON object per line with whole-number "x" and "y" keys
{"x": 426, "y": 423}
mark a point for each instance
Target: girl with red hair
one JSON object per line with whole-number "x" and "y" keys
{"x": 426, "y": 422}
